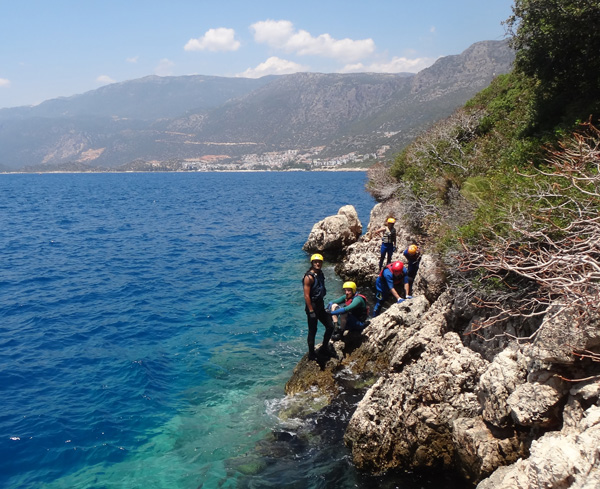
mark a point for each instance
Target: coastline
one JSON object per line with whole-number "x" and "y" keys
{"x": 490, "y": 410}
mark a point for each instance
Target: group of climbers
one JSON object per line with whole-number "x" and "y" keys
{"x": 353, "y": 306}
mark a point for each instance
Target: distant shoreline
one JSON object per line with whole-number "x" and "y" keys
{"x": 199, "y": 171}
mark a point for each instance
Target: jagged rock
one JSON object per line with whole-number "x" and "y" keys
{"x": 405, "y": 419}
{"x": 498, "y": 382}
{"x": 480, "y": 451}
{"x": 560, "y": 460}
{"x": 361, "y": 259}
{"x": 536, "y": 404}
{"x": 334, "y": 233}
{"x": 556, "y": 339}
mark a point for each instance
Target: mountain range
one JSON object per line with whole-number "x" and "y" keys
{"x": 299, "y": 119}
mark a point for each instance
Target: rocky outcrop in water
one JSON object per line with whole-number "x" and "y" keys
{"x": 507, "y": 413}
{"x": 334, "y": 233}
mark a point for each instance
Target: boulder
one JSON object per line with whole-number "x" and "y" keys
{"x": 480, "y": 451}
{"x": 334, "y": 233}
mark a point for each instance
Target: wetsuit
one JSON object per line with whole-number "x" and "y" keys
{"x": 384, "y": 284}
{"x": 317, "y": 294}
{"x": 412, "y": 268}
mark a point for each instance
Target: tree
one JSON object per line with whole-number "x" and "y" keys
{"x": 557, "y": 42}
{"x": 554, "y": 238}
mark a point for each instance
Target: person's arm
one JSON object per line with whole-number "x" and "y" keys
{"x": 390, "y": 282}
{"x": 356, "y": 302}
{"x": 308, "y": 281}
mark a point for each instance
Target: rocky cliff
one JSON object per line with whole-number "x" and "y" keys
{"x": 514, "y": 411}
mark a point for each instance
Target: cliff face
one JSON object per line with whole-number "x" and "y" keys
{"x": 501, "y": 413}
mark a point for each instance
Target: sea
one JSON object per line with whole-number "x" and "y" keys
{"x": 149, "y": 323}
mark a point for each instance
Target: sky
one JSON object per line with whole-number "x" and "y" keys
{"x": 59, "y": 48}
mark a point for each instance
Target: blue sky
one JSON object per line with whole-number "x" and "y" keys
{"x": 56, "y": 48}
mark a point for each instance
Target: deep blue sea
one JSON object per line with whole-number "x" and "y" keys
{"x": 148, "y": 324}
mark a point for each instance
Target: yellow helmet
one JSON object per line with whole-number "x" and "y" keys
{"x": 316, "y": 256}
{"x": 412, "y": 250}
{"x": 391, "y": 219}
{"x": 349, "y": 285}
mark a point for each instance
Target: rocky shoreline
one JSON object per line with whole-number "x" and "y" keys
{"x": 502, "y": 410}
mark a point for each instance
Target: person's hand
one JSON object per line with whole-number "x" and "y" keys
{"x": 312, "y": 315}
{"x": 409, "y": 296}
{"x": 339, "y": 310}
{"x": 394, "y": 249}
{"x": 400, "y": 300}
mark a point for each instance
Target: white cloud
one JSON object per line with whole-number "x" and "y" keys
{"x": 133, "y": 59}
{"x": 105, "y": 80}
{"x": 273, "y": 66}
{"x": 164, "y": 67}
{"x": 4, "y": 83}
{"x": 221, "y": 39}
{"x": 395, "y": 65}
{"x": 282, "y": 34}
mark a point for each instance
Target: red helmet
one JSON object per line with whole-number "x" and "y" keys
{"x": 397, "y": 267}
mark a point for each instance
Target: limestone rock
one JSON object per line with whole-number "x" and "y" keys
{"x": 536, "y": 404}
{"x": 405, "y": 419}
{"x": 498, "y": 382}
{"x": 480, "y": 451}
{"x": 558, "y": 460}
{"x": 557, "y": 339}
{"x": 334, "y": 233}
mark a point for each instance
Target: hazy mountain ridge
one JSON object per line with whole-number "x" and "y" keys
{"x": 195, "y": 117}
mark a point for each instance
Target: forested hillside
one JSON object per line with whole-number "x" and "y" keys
{"x": 507, "y": 189}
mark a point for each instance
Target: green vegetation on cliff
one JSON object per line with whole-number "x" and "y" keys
{"x": 508, "y": 187}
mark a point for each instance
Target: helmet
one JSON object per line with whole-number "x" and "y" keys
{"x": 412, "y": 250}
{"x": 391, "y": 219}
{"x": 315, "y": 257}
{"x": 397, "y": 267}
{"x": 349, "y": 285}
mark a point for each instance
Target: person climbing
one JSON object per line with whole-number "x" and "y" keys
{"x": 314, "y": 294}
{"x": 354, "y": 309}
{"x": 387, "y": 281}
{"x": 388, "y": 241}
{"x": 413, "y": 257}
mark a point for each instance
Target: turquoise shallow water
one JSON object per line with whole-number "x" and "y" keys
{"x": 148, "y": 324}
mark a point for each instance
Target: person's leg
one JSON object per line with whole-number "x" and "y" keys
{"x": 390, "y": 252}
{"x": 312, "y": 333}
{"x": 353, "y": 324}
{"x": 325, "y": 319}
{"x": 334, "y": 318}
{"x": 382, "y": 256}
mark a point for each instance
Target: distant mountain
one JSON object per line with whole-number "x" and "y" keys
{"x": 201, "y": 118}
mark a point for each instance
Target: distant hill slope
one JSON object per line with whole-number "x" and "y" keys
{"x": 172, "y": 118}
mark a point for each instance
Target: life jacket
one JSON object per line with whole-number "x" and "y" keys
{"x": 317, "y": 289}
{"x": 362, "y": 314}
{"x": 389, "y": 236}
{"x": 398, "y": 279}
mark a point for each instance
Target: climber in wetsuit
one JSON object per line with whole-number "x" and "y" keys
{"x": 389, "y": 278}
{"x": 314, "y": 294}
{"x": 353, "y": 306}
